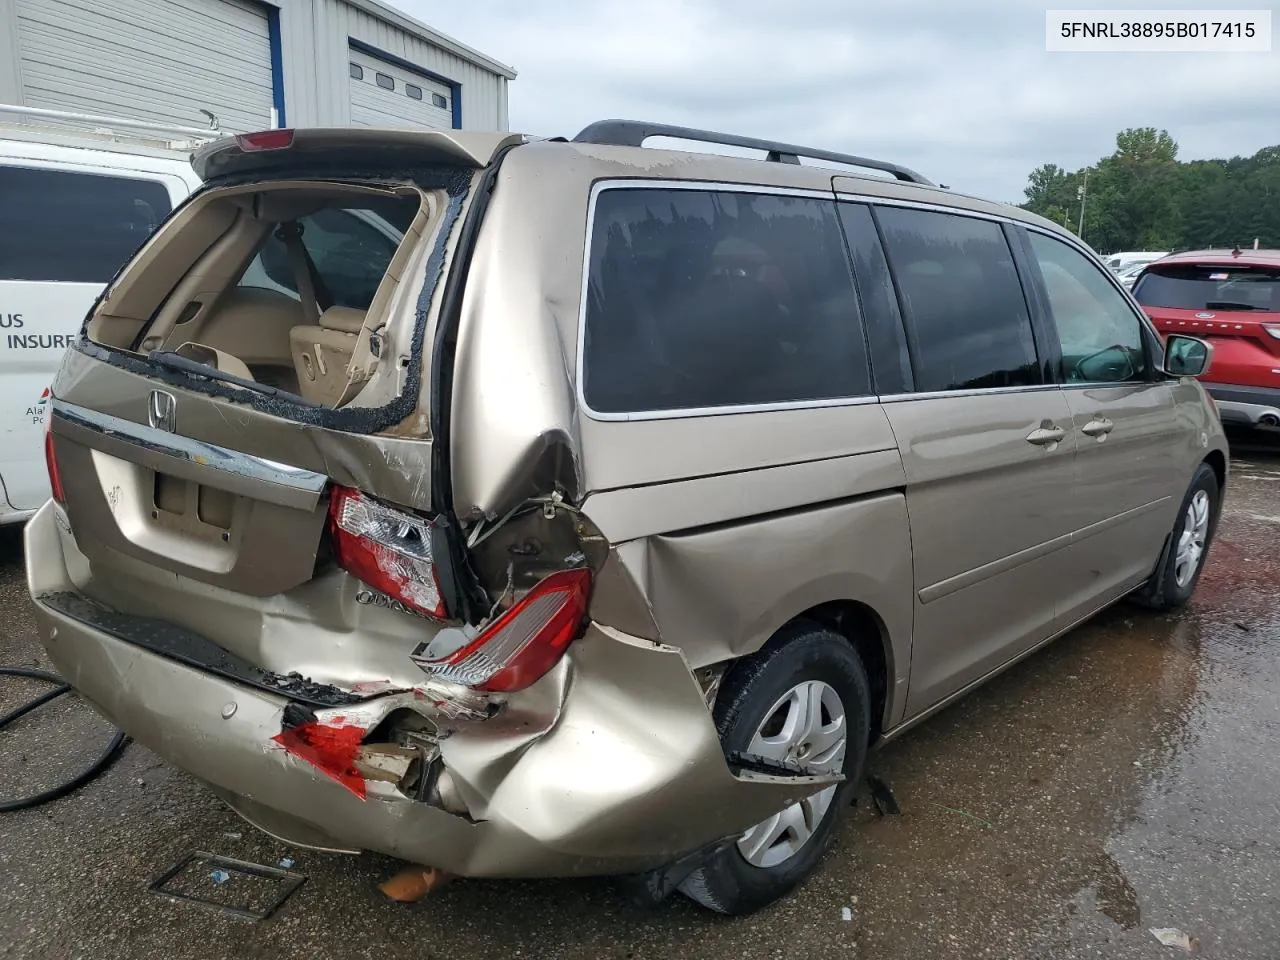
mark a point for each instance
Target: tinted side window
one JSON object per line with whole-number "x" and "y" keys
{"x": 1100, "y": 334}
{"x": 707, "y": 299}
{"x": 351, "y": 254}
{"x": 890, "y": 360}
{"x": 73, "y": 227}
{"x": 965, "y": 309}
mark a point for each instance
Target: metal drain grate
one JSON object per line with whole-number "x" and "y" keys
{"x": 250, "y": 891}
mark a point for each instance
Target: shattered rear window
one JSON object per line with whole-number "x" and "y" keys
{"x": 456, "y": 184}
{"x": 351, "y": 248}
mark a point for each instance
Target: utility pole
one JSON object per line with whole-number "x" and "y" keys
{"x": 1082, "y": 192}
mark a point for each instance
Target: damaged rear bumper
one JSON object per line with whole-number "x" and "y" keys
{"x": 609, "y": 764}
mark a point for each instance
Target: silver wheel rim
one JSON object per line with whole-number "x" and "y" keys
{"x": 806, "y": 726}
{"x": 1192, "y": 540}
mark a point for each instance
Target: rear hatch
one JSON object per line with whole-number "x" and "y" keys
{"x": 1235, "y": 305}
{"x": 264, "y": 351}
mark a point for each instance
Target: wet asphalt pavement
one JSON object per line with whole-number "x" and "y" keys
{"x": 1127, "y": 777}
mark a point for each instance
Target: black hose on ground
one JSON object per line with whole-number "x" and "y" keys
{"x": 114, "y": 746}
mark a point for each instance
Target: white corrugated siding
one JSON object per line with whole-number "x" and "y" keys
{"x": 157, "y": 60}
{"x": 10, "y": 78}
{"x": 373, "y": 105}
{"x": 316, "y": 37}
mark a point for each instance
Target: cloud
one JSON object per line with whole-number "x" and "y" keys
{"x": 963, "y": 92}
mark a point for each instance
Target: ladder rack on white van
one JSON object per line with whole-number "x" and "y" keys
{"x": 172, "y": 136}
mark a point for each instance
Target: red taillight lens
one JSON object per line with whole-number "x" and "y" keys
{"x": 330, "y": 749}
{"x": 265, "y": 140}
{"x": 51, "y": 463}
{"x": 388, "y": 549}
{"x": 523, "y": 644}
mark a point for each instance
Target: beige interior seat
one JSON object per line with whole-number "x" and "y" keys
{"x": 218, "y": 359}
{"x": 322, "y": 353}
{"x": 250, "y": 322}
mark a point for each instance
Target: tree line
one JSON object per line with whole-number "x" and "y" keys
{"x": 1143, "y": 198}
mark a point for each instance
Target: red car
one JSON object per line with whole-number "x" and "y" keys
{"x": 1232, "y": 299}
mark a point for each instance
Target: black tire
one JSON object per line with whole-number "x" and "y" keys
{"x": 1162, "y": 591}
{"x": 728, "y": 883}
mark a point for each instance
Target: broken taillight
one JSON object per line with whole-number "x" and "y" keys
{"x": 388, "y": 549}
{"x": 330, "y": 748}
{"x": 520, "y": 646}
{"x": 51, "y": 463}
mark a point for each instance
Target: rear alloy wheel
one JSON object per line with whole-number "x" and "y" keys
{"x": 806, "y": 726}
{"x": 803, "y": 699}
{"x": 1176, "y": 576}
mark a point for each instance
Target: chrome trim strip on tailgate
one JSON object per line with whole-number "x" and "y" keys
{"x": 194, "y": 460}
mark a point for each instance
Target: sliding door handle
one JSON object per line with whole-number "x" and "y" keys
{"x": 1046, "y": 436}
{"x": 1098, "y": 427}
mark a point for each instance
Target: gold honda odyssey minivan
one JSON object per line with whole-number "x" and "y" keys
{"x": 531, "y": 508}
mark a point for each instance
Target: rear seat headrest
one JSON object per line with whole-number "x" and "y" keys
{"x": 346, "y": 319}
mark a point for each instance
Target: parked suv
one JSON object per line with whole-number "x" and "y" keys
{"x": 603, "y": 524}
{"x": 1231, "y": 298}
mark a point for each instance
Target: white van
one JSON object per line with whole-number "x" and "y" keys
{"x": 77, "y": 196}
{"x": 1120, "y": 262}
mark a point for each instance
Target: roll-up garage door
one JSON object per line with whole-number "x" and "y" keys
{"x": 386, "y": 95}
{"x": 161, "y": 60}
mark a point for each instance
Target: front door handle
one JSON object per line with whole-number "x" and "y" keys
{"x": 1098, "y": 427}
{"x": 1046, "y": 436}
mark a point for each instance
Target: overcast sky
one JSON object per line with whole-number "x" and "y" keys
{"x": 963, "y": 92}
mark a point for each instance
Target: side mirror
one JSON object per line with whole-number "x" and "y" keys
{"x": 1186, "y": 356}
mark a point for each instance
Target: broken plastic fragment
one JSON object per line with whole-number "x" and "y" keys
{"x": 287, "y": 862}
{"x": 371, "y": 687}
{"x": 882, "y": 796}
{"x": 1173, "y": 937}
{"x": 219, "y": 876}
{"x": 414, "y": 883}
{"x": 331, "y": 749}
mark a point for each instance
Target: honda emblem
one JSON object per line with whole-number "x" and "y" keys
{"x": 162, "y": 411}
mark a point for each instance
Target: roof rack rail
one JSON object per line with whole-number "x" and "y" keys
{"x": 116, "y": 123}
{"x": 633, "y": 133}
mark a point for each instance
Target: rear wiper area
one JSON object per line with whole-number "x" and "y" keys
{"x": 1228, "y": 305}
{"x": 176, "y": 361}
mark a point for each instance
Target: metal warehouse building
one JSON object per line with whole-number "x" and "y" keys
{"x": 251, "y": 64}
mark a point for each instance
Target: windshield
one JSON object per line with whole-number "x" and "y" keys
{"x": 1211, "y": 288}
